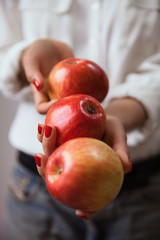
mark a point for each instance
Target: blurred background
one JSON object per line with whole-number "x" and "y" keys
{"x": 7, "y": 153}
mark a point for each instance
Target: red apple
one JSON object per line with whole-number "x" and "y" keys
{"x": 77, "y": 76}
{"x": 84, "y": 173}
{"x": 75, "y": 116}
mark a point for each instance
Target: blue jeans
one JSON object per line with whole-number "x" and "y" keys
{"x": 135, "y": 213}
{"x": 34, "y": 215}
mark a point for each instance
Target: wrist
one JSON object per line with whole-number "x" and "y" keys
{"x": 129, "y": 111}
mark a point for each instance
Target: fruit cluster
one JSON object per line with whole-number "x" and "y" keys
{"x": 83, "y": 172}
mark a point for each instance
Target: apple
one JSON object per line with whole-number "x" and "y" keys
{"x": 84, "y": 173}
{"x": 77, "y": 76}
{"x": 78, "y": 115}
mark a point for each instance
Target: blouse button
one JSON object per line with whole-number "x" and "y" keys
{"x": 95, "y": 5}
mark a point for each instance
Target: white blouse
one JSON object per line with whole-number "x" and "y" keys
{"x": 122, "y": 36}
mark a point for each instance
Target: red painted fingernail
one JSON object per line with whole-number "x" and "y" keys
{"x": 39, "y": 129}
{"x": 36, "y": 84}
{"x": 48, "y": 131}
{"x": 82, "y": 216}
{"x": 131, "y": 166}
{"x": 38, "y": 160}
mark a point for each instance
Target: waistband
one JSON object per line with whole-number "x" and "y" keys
{"x": 27, "y": 161}
{"x": 142, "y": 173}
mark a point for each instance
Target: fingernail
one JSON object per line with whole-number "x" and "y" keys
{"x": 39, "y": 129}
{"x": 82, "y": 216}
{"x": 131, "y": 166}
{"x": 36, "y": 84}
{"x": 38, "y": 160}
{"x": 48, "y": 131}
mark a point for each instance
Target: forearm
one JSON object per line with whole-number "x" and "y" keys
{"x": 130, "y": 112}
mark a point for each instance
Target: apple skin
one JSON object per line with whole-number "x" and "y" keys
{"x": 85, "y": 174}
{"x": 77, "y": 76}
{"x": 75, "y": 116}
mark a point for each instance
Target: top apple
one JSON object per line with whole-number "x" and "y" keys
{"x": 77, "y": 76}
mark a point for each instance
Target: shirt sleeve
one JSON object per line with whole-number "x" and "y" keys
{"x": 11, "y": 84}
{"x": 144, "y": 86}
{"x": 11, "y": 47}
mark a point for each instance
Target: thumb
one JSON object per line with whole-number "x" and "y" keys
{"x": 32, "y": 71}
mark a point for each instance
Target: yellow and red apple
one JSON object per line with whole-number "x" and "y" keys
{"x": 84, "y": 173}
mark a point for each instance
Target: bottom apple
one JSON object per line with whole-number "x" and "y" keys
{"x": 84, "y": 173}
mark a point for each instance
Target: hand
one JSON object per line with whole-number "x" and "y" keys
{"x": 36, "y": 63}
{"x": 114, "y": 136}
{"x": 47, "y": 136}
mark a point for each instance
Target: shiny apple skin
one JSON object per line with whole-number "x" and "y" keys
{"x": 85, "y": 174}
{"x": 71, "y": 118}
{"x": 78, "y": 76}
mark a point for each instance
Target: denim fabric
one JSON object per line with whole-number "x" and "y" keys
{"x": 135, "y": 213}
{"x": 34, "y": 215}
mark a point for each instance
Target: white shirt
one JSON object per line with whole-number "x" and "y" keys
{"x": 122, "y": 36}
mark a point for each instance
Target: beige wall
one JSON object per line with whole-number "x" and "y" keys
{"x": 7, "y": 153}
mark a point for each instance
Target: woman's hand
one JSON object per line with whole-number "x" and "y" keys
{"x": 36, "y": 63}
{"x": 114, "y": 136}
{"x": 47, "y": 136}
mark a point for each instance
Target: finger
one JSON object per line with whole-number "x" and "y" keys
{"x": 85, "y": 215}
{"x": 41, "y": 100}
{"x": 41, "y": 161}
{"x": 121, "y": 148}
{"x": 122, "y": 151}
{"x": 40, "y": 132}
{"x": 49, "y": 140}
{"x": 115, "y": 136}
{"x": 32, "y": 70}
